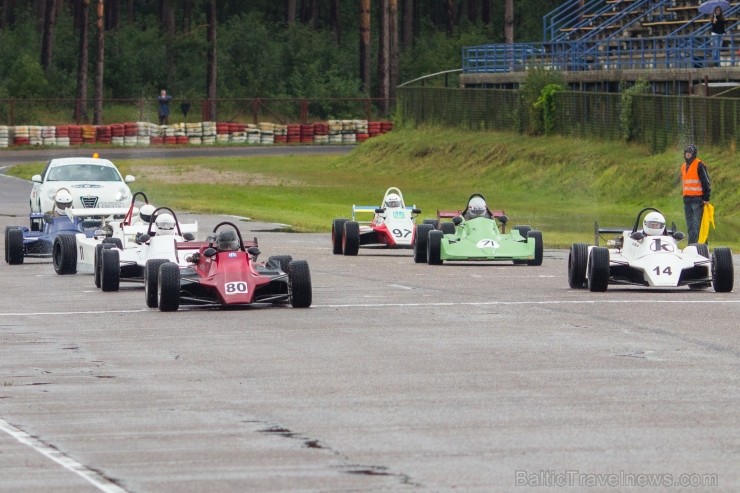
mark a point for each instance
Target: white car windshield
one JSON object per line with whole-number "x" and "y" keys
{"x": 82, "y": 172}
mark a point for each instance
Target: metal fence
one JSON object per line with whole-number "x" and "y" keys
{"x": 657, "y": 121}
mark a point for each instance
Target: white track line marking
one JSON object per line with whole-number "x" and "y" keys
{"x": 92, "y": 477}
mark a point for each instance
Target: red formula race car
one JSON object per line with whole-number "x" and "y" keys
{"x": 225, "y": 272}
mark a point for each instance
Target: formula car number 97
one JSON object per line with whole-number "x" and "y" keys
{"x": 235, "y": 287}
{"x": 401, "y": 233}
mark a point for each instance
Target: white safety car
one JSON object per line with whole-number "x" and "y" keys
{"x": 648, "y": 255}
{"x": 93, "y": 182}
{"x": 392, "y": 226}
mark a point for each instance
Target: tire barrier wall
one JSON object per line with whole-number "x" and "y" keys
{"x": 200, "y": 133}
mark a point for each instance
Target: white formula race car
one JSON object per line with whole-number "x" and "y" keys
{"x": 648, "y": 257}
{"x": 392, "y": 226}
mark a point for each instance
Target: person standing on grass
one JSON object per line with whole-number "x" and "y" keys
{"x": 696, "y": 190}
{"x": 164, "y": 107}
{"x": 718, "y": 31}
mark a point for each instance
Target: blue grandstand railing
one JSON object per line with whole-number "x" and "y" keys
{"x": 689, "y": 51}
{"x": 570, "y": 14}
{"x": 705, "y": 29}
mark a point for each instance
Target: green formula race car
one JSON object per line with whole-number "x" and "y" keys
{"x": 476, "y": 234}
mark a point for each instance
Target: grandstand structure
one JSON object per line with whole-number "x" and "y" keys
{"x": 599, "y": 44}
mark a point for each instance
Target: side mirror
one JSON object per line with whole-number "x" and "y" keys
{"x": 457, "y": 220}
{"x": 678, "y": 235}
{"x": 142, "y": 238}
{"x": 253, "y": 251}
{"x": 209, "y": 252}
{"x": 503, "y": 219}
{"x": 129, "y": 178}
{"x": 188, "y": 236}
{"x": 36, "y": 179}
{"x": 379, "y": 210}
{"x": 637, "y": 235}
{"x": 415, "y": 211}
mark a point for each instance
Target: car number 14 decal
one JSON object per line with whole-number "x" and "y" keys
{"x": 235, "y": 287}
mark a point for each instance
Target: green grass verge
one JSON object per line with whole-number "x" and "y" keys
{"x": 558, "y": 185}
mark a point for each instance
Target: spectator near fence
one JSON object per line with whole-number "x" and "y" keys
{"x": 718, "y": 31}
{"x": 164, "y": 107}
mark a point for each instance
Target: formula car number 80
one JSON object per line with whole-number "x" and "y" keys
{"x": 235, "y": 287}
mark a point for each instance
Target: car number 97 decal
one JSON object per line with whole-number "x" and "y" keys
{"x": 401, "y": 233}
{"x": 235, "y": 287}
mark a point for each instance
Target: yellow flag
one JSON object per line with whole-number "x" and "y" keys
{"x": 707, "y": 218}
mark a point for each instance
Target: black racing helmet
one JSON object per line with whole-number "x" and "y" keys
{"x": 227, "y": 240}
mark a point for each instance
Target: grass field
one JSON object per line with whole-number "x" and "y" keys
{"x": 558, "y": 185}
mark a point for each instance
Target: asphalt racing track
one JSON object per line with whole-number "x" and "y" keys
{"x": 400, "y": 377}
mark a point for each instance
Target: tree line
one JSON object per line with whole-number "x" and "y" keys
{"x": 210, "y": 49}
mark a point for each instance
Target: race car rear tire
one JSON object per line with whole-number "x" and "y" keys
{"x": 447, "y": 228}
{"x": 282, "y": 262}
{"x": 523, "y": 230}
{"x": 151, "y": 276}
{"x": 337, "y": 228}
{"x": 577, "y": 261}
{"x": 351, "y": 238}
{"x": 538, "y": 247}
{"x": 13, "y": 245}
{"x": 598, "y": 269}
{"x": 420, "y": 242}
{"x": 434, "y": 223}
{"x": 64, "y": 254}
{"x": 168, "y": 287}
{"x": 434, "y": 247}
{"x": 115, "y": 241}
{"x": 723, "y": 272}
{"x": 299, "y": 278}
{"x": 110, "y": 270}
{"x": 702, "y": 249}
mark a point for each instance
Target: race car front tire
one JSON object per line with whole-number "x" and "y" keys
{"x": 351, "y": 238}
{"x": 434, "y": 247}
{"x": 538, "y": 247}
{"x": 282, "y": 262}
{"x": 598, "y": 269}
{"x": 420, "y": 242}
{"x": 13, "y": 245}
{"x": 434, "y": 223}
{"x": 64, "y": 254}
{"x": 299, "y": 278}
{"x": 337, "y": 228}
{"x": 168, "y": 287}
{"x": 151, "y": 276}
{"x": 723, "y": 272}
{"x": 447, "y": 228}
{"x": 114, "y": 241}
{"x": 110, "y": 270}
{"x": 577, "y": 261}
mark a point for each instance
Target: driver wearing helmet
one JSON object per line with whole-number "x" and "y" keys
{"x": 227, "y": 240}
{"x": 477, "y": 207}
{"x": 62, "y": 201}
{"x": 654, "y": 224}
{"x": 165, "y": 224}
{"x": 145, "y": 213}
{"x": 392, "y": 201}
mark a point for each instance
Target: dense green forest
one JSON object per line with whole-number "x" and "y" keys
{"x": 121, "y": 49}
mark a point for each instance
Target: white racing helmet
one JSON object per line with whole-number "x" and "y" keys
{"x": 654, "y": 224}
{"x": 165, "y": 224}
{"x": 145, "y": 213}
{"x": 63, "y": 199}
{"x": 477, "y": 207}
{"x": 392, "y": 200}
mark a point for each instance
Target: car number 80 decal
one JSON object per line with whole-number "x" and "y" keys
{"x": 235, "y": 287}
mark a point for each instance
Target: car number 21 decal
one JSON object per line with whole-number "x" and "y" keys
{"x": 239, "y": 287}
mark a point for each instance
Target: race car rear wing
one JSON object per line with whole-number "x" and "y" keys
{"x": 600, "y": 233}
{"x": 450, "y": 214}
{"x": 370, "y": 209}
{"x": 96, "y": 212}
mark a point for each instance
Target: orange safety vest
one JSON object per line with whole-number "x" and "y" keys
{"x": 691, "y": 182}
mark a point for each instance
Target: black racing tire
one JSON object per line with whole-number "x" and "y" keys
{"x": 64, "y": 254}
{"x": 337, "y": 229}
{"x": 282, "y": 262}
{"x": 434, "y": 223}
{"x": 447, "y": 228}
{"x": 299, "y": 279}
{"x": 168, "y": 287}
{"x": 421, "y": 239}
{"x": 598, "y": 269}
{"x": 538, "y": 247}
{"x": 723, "y": 272}
{"x": 14, "y": 250}
{"x": 351, "y": 238}
{"x": 151, "y": 277}
{"x": 110, "y": 270}
{"x": 702, "y": 249}
{"x": 434, "y": 247}
{"x": 523, "y": 230}
{"x": 98, "y": 262}
{"x": 115, "y": 241}
{"x": 577, "y": 262}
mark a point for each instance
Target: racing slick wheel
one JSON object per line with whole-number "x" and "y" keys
{"x": 420, "y": 242}
{"x": 64, "y": 254}
{"x": 598, "y": 269}
{"x": 13, "y": 245}
{"x": 577, "y": 261}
